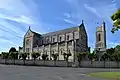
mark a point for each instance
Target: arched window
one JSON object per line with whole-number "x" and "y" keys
{"x": 60, "y": 39}
{"x": 99, "y": 37}
{"x": 68, "y": 37}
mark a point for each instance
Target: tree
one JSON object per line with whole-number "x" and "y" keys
{"x": 5, "y": 56}
{"x": 110, "y": 53}
{"x": 91, "y": 57}
{"x": 14, "y": 56}
{"x": 116, "y": 19}
{"x": 105, "y": 57}
{"x": 116, "y": 55}
{"x": 24, "y": 56}
{"x": 12, "y": 49}
{"x": 81, "y": 56}
{"x": 66, "y": 57}
{"x": 44, "y": 57}
{"x": 55, "y": 56}
{"x": 35, "y": 55}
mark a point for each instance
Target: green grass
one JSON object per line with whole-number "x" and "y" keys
{"x": 108, "y": 75}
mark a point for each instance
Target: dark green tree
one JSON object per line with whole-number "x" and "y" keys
{"x": 14, "y": 56}
{"x": 105, "y": 57}
{"x": 81, "y": 56}
{"x": 110, "y": 53}
{"x": 55, "y": 56}
{"x": 24, "y": 56}
{"x": 35, "y": 55}
{"x": 116, "y": 19}
{"x": 44, "y": 57}
{"x": 66, "y": 57}
{"x": 12, "y": 49}
{"x": 5, "y": 55}
{"x": 116, "y": 55}
{"x": 92, "y": 57}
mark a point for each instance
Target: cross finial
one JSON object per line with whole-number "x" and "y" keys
{"x": 29, "y": 27}
{"x": 82, "y": 21}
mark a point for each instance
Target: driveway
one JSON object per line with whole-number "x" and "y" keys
{"x": 12, "y": 72}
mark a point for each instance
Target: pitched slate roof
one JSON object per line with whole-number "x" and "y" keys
{"x": 60, "y": 31}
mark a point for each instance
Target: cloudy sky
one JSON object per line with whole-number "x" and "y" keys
{"x": 50, "y": 15}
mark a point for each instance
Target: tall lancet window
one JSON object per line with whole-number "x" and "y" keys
{"x": 99, "y": 37}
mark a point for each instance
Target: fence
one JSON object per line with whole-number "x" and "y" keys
{"x": 85, "y": 64}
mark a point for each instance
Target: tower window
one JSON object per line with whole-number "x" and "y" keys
{"x": 99, "y": 37}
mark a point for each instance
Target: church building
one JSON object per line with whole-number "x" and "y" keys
{"x": 70, "y": 40}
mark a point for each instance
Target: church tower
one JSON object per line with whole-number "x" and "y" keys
{"x": 100, "y": 46}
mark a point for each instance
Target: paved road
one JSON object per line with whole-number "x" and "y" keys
{"x": 11, "y": 72}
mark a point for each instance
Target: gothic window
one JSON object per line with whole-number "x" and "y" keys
{"x": 36, "y": 42}
{"x": 68, "y": 37}
{"x": 41, "y": 41}
{"x": 69, "y": 51}
{"x": 99, "y": 37}
{"x": 61, "y": 51}
{"x": 53, "y": 52}
{"x": 53, "y": 39}
{"x": 47, "y": 40}
{"x": 60, "y": 39}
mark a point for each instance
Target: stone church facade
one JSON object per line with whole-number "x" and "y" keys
{"x": 70, "y": 40}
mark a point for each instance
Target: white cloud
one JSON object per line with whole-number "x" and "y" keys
{"x": 20, "y": 19}
{"x": 68, "y": 21}
{"x": 113, "y": 44}
{"x": 113, "y": 1}
{"x": 93, "y": 10}
{"x": 67, "y": 15}
{"x": 103, "y": 12}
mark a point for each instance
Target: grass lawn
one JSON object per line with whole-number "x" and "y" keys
{"x": 109, "y": 75}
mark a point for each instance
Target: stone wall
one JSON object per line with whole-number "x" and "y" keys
{"x": 85, "y": 64}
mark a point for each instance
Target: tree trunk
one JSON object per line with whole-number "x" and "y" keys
{"x": 14, "y": 61}
{"x": 54, "y": 63}
{"x": 104, "y": 64}
{"x": 66, "y": 62}
{"x": 23, "y": 61}
{"x": 91, "y": 63}
{"x": 5, "y": 61}
{"x": 44, "y": 62}
{"x": 34, "y": 61}
{"x": 79, "y": 64}
{"x": 117, "y": 64}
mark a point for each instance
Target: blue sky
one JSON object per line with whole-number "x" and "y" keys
{"x": 50, "y": 15}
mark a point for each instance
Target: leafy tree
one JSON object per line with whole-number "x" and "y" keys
{"x": 105, "y": 57}
{"x": 116, "y": 19}
{"x": 24, "y": 56}
{"x": 81, "y": 56}
{"x": 55, "y": 56}
{"x": 44, "y": 57}
{"x": 66, "y": 57}
{"x": 14, "y": 56}
{"x": 12, "y": 49}
{"x": 116, "y": 55}
{"x": 35, "y": 55}
{"x": 5, "y": 56}
{"x": 91, "y": 57}
{"x": 110, "y": 53}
